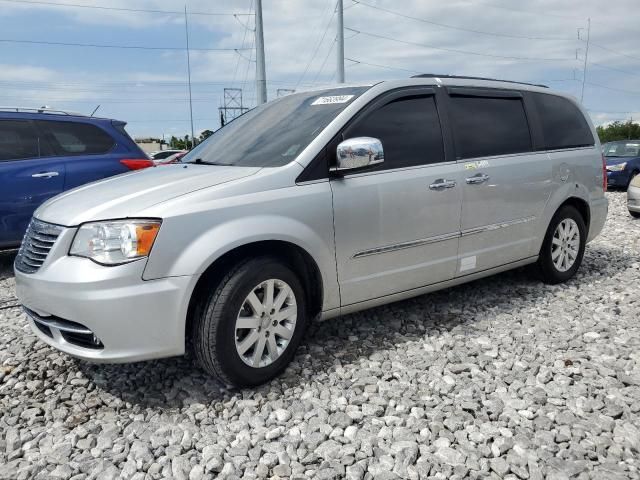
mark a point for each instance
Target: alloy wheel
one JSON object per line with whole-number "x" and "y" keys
{"x": 565, "y": 244}
{"x": 266, "y": 323}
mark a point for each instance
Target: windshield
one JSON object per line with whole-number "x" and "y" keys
{"x": 273, "y": 134}
{"x": 622, "y": 149}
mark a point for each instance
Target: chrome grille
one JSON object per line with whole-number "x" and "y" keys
{"x": 36, "y": 244}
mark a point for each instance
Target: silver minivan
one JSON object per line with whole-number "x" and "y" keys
{"x": 314, "y": 205}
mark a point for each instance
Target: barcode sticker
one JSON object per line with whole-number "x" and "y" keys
{"x": 332, "y": 99}
{"x": 467, "y": 263}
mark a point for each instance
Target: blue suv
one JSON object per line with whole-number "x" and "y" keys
{"x": 44, "y": 152}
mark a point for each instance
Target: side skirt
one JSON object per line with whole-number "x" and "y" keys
{"x": 415, "y": 292}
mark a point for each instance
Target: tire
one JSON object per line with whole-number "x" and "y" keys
{"x": 634, "y": 214}
{"x": 550, "y": 271}
{"x": 218, "y": 338}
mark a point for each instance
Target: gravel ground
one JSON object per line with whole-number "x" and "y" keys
{"x": 501, "y": 378}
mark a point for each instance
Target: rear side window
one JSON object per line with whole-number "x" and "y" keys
{"x": 563, "y": 124}
{"x": 409, "y": 129}
{"x": 18, "y": 140}
{"x": 70, "y": 138}
{"x": 486, "y": 126}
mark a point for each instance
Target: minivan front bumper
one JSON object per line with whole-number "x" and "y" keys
{"x": 131, "y": 319}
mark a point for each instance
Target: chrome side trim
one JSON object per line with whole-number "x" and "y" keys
{"x": 410, "y": 244}
{"x": 441, "y": 238}
{"x": 496, "y": 226}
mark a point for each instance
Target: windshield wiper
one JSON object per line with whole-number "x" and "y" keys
{"x": 202, "y": 162}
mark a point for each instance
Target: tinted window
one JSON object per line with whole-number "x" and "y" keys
{"x": 70, "y": 138}
{"x": 409, "y": 129}
{"x": 563, "y": 125}
{"x": 485, "y": 126}
{"x": 163, "y": 155}
{"x": 18, "y": 140}
{"x": 275, "y": 133}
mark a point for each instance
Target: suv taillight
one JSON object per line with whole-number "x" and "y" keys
{"x": 136, "y": 163}
{"x": 604, "y": 174}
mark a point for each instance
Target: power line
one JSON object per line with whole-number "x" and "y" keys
{"x": 528, "y": 12}
{"x": 380, "y": 66}
{"x": 315, "y": 51}
{"x": 615, "y": 51}
{"x": 453, "y": 27}
{"x": 246, "y": 73}
{"x": 631, "y": 92}
{"x": 464, "y": 52}
{"x": 121, "y": 9}
{"x": 129, "y": 47}
{"x": 244, "y": 36}
{"x": 159, "y": 100}
{"x": 119, "y": 84}
{"x": 333, "y": 44}
{"x": 614, "y": 69}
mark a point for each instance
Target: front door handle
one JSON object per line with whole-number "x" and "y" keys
{"x": 442, "y": 184}
{"x": 45, "y": 175}
{"x": 477, "y": 179}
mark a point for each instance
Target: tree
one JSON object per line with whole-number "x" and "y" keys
{"x": 177, "y": 143}
{"x": 205, "y": 134}
{"x": 618, "y": 131}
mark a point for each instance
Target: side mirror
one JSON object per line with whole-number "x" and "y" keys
{"x": 358, "y": 152}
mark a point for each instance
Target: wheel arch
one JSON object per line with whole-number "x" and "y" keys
{"x": 561, "y": 198}
{"x": 295, "y": 256}
{"x": 581, "y": 205}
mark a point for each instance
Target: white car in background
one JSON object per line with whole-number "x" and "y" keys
{"x": 162, "y": 154}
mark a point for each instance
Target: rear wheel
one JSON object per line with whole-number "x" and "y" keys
{"x": 249, "y": 327}
{"x": 563, "y": 247}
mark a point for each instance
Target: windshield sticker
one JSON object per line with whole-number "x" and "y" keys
{"x": 332, "y": 99}
{"x": 475, "y": 165}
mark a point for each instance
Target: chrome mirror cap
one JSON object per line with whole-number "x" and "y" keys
{"x": 357, "y": 153}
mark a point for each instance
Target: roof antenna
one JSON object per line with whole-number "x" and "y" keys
{"x": 94, "y": 110}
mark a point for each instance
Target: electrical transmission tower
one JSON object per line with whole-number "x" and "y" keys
{"x": 233, "y": 106}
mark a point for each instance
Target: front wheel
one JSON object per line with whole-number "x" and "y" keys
{"x": 563, "y": 247}
{"x": 249, "y": 327}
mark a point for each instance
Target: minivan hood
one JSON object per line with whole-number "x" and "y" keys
{"x": 125, "y": 195}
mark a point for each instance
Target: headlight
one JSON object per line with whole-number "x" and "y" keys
{"x": 115, "y": 242}
{"x": 617, "y": 168}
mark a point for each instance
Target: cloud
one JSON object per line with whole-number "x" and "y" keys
{"x": 293, "y": 34}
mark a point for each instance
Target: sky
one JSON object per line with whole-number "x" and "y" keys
{"x": 539, "y": 41}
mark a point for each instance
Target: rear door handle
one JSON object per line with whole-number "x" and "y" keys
{"x": 45, "y": 175}
{"x": 442, "y": 184}
{"x": 477, "y": 179}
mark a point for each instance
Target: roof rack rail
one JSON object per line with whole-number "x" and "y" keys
{"x": 433, "y": 75}
{"x": 40, "y": 110}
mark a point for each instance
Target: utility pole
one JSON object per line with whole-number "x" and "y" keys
{"x": 261, "y": 76}
{"x": 340, "y": 37}
{"x": 586, "y": 56}
{"x": 186, "y": 30}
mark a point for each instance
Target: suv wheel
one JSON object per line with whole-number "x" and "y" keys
{"x": 563, "y": 246}
{"x": 248, "y": 329}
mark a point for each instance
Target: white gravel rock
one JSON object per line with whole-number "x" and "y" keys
{"x": 503, "y": 378}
